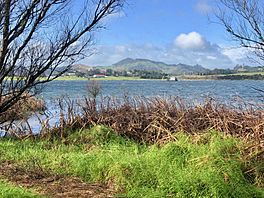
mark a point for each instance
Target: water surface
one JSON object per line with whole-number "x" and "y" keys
{"x": 223, "y": 90}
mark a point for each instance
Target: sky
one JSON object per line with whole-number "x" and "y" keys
{"x": 171, "y": 31}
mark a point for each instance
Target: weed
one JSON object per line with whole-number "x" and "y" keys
{"x": 10, "y": 191}
{"x": 209, "y": 166}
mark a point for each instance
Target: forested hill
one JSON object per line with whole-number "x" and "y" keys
{"x": 129, "y": 64}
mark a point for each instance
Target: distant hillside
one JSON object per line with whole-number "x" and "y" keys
{"x": 75, "y": 68}
{"x": 130, "y": 64}
{"x": 242, "y": 68}
{"x": 138, "y": 67}
{"x": 149, "y": 65}
{"x": 139, "y": 64}
{"x": 80, "y": 68}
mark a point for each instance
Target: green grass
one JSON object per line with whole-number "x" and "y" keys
{"x": 118, "y": 78}
{"x": 248, "y": 73}
{"x": 65, "y": 78}
{"x": 208, "y": 166}
{"x": 107, "y": 78}
{"x": 10, "y": 191}
{"x": 211, "y": 77}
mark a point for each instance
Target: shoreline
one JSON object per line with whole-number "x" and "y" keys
{"x": 138, "y": 79}
{"x": 220, "y": 77}
{"x": 238, "y": 76}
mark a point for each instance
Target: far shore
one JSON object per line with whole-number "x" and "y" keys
{"x": 239, "y": 76}
{"x": 236, "y": 76}
{"x": 104, "y": 78}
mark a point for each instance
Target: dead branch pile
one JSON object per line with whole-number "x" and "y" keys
{"x": 155, "y": 120}
{"x": 22, "y": 108}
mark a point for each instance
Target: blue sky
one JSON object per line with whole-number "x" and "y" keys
{"x": 172, "y": 31}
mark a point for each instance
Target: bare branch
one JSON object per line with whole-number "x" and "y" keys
{"x": 243, "y": 20}
{"x": 41, "y": 39}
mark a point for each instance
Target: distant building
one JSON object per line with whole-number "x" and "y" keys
{"x": 172, "y": 78}
{"x": 99, "y": 76}
{"x": 71, "y": 74}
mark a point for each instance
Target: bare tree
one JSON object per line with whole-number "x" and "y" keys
{"x": 41, "y": 39}
{"x": 94, "y": 88}
{"x": 244, "y": 21}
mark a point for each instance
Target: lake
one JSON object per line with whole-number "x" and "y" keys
{"x": 222, "y": 90}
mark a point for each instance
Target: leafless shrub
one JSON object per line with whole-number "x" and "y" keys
{"x": 94, "y": 88}
{"x": 25, "y": 106}
{"x": 156, "y": 120}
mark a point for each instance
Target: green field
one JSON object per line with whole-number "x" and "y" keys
{"x": 249, "y": 73}
{"x": 107, "y": 78}
{"x": 100, "y": 79}
{"x": 212, "y": 77}
{"x": 208, "y": 165}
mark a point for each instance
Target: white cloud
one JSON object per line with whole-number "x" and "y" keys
{"x": 192, "y": 40}
{"x": 211, "y": 57}
{"x": 241, "y": 55}
{"x": 203, "y": 7}
{"x": 121, "y": 48}
{"x": 235, "y": 53}
{"x": 114, "y": 16}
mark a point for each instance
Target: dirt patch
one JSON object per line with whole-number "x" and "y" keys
{"x": 56, "y": 186}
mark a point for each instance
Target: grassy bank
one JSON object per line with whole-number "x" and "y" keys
{"x": 207, "y": 165}
{"x": 107, "y": 78}
{"x": 235, "y": 76}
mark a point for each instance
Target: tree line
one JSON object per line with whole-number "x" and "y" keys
{"x": 144, "y": 74}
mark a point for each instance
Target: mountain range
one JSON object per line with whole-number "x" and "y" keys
{"x": 130, "y": 64}
{"x": 149, "y": 65}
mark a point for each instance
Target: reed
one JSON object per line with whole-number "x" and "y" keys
{"x": 157, "y": 120}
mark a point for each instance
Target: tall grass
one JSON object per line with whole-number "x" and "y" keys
{"x": 208, "y": 165}
{"x": 10, "y": 191}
